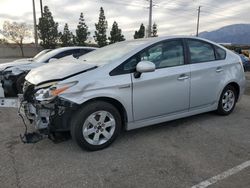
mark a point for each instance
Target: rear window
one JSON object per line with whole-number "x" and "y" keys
{"x": 201, "y": 51}
{"x": 220, "y": 53}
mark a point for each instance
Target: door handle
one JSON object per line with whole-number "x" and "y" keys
{"x": 124, "y": 86}
{"x": 183, "y": 77}
{"x": 219, "y": 69}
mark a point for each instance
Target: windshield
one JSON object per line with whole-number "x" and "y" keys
{"x": 44, "y": 58}
{"x": 41, "y": 53}
{"x": 112, "y": 52}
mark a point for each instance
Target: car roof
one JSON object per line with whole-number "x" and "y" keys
{"x": 152, "y": 40}
{"x": 75, "y": 47}
{"x": 155, "y": 39}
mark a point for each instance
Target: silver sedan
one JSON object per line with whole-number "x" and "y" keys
{"x": 133, "y": 84}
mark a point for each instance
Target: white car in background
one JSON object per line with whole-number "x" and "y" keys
{"x": 35, "y": 57}
{"x": 12, "y": 74}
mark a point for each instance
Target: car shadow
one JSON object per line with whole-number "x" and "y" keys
{"x": 153, "y": 130}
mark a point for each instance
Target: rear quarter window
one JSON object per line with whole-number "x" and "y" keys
{"x": 220, "y": 53}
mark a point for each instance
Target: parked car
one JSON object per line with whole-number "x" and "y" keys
{"x": 246, "y": 62}
{"x": 132, "y": 84}
{"x": 12, "y": 74}
{"x": 35, "y": 57}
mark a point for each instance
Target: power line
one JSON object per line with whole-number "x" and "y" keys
{"x": 185, "y": 12}
{"x": 224, "y": 6}
{"x": 122, "y": 3}
{"x": 214, "y": 14}
{"x": 181, "y": 9}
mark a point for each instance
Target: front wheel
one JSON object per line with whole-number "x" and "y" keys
{"x": 96, "y": 125}
{"x": 227, "y": 101}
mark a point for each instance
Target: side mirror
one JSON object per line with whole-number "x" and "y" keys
{"x": 144, "y": 66}
{"x": 52, "y": 60}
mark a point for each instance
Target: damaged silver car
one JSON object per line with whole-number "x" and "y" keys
{"x": 131, "y": 84}
{"x": 12, "y": 74}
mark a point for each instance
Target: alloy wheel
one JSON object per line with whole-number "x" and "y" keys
{"x": 99, "y": 127}
{"x": 228, "y": 100}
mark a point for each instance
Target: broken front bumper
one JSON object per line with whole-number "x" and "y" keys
{"x": 36, "y": 114}
{"x": 54, "y": 116}
{"x": 53, "y": 123}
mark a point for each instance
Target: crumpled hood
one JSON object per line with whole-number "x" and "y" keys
{"x": 14, "y": 64}
{"x": 57, "y": 71}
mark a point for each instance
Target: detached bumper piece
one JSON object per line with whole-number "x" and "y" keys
{"x": 31, "y": 138}
{"x": 34, "y": 137}
{"x": 8, "y": 102}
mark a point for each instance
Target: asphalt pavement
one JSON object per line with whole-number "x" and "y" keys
{"x": 179, "y": 154}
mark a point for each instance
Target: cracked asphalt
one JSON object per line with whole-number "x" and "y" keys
{"x": 177, "y": 154}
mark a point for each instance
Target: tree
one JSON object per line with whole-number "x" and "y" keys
{"x": 67, "y": 37}
{"x": 4, "y": 41}
{"x": 136, "y": 35}
{"x": 154, "y": 30}
{"x": 16, "y": 32}
{"x": 48, "y": 29}
{"x": 101, "y": 29}
{"x": 116, "y": 34}
{"x": 81, "y": 32}
{"x": 140, "y": 33}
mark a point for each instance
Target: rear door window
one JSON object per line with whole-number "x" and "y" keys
{"x": 200, "y": 51}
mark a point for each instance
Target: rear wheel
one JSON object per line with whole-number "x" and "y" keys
{"x": 96, "y": 125}
{"x": 227, "y": 101}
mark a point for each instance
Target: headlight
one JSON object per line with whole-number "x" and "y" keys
{"x": 48, "y": 94}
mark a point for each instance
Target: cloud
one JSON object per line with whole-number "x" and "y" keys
{"x": 172, "y": 17}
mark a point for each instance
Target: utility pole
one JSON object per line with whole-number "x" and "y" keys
{"x": 198, "y": 21}
{"x": 41, "y": 6}
{"x": 150, "y": 18}
{"x": 35, "y": 28}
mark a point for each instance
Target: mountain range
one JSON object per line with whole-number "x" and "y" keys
{"x": 234, "y": 34}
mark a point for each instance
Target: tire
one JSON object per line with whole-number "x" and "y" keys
{"x": 19, "y": 83}
{"x": 89, "y": 128}
{"x": 227, "y": 105}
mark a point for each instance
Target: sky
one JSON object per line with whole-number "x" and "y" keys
{"x": 173, "y": 17}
